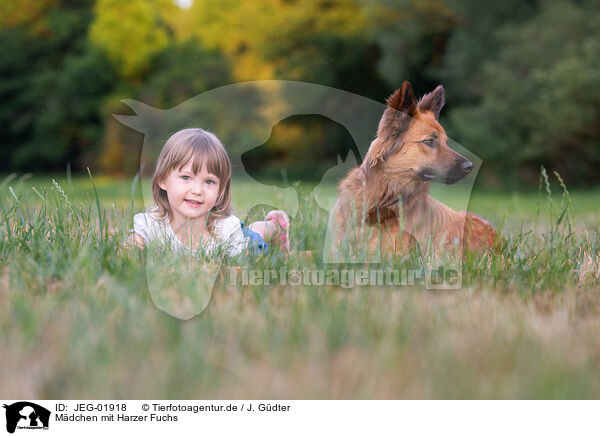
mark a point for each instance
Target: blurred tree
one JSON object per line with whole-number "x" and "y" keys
{"x": 28, "y": 14}
{"x": 182, "y": 71}
{"x": 474, "y": 41}
{"x": 412, "y": 36}
{"x": 348, "y": 63}
{"x": 131, "y": 32}
{"x": 520, "y": 75}
{"x": 51, "y": 91}
{"x": 179, "y": 72}
{"x": 320, "y": 41}
{"x": 540, "y": 103}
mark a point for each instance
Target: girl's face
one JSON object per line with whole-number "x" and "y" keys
{"x": 191, "y": 196}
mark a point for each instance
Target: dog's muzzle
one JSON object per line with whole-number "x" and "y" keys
{"x": 458, "y": 172}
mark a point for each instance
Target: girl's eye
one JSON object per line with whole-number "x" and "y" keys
{"x": 185, "y": 177}
{"x": 428, "y": 142}
{"x": 210, "y": 182}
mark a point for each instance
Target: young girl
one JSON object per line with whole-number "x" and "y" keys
{"x": 193, "y": 212}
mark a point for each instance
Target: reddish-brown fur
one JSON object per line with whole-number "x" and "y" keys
{"x": 390, "y": 189}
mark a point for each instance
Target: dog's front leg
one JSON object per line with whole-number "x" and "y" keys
{"x": 395, "y": 240}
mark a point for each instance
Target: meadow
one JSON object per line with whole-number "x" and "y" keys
{"x": 77, "y": 320}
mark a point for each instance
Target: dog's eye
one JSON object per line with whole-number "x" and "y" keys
{"x": 428, "y": 142}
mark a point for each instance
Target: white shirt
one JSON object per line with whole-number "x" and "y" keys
{"x": 228, "y": 232}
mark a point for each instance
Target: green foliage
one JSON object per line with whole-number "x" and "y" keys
{"x": 130, "y": 32}
{"x": 540, "y": 96}
{"x": 51, "y": 93}
{"x": 411, "y": 35}
{"x": 329, "y": 60}
{"x": 181, "y": 71}
{"x": 520, "y": 76}
{"x": 472, "y": 42}
{"x": 275, "y": 35}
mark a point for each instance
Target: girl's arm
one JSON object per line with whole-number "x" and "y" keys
{"x": 139, "y": 233}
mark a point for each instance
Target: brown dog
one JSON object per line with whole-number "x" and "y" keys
{"x": 392, "y": 184}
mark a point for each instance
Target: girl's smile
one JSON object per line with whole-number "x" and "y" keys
{"x": 194, "y": 204}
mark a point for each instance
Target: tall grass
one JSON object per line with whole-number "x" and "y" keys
{"x": 77, "y": 320}
{"x": 546, "y": 257}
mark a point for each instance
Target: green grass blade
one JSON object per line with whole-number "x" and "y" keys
{"x": 97, "y": 203}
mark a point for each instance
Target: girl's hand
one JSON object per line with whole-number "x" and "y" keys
{"x": 135, "y": 240}
{"x": 132, "y": 242}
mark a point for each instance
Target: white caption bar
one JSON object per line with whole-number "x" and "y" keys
{"x": 21, "y": 417}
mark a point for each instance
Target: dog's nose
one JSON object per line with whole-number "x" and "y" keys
{"x": 467, "y": 166}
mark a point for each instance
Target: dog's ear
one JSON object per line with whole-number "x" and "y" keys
{"x": 393, "y": 123}
{"x": 403, "y": 99}
{"x": 434, "y": 101}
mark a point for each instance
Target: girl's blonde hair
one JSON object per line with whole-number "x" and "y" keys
{"x": 199, "y": 146}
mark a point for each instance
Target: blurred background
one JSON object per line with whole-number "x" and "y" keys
{"x": 521, "y": 76}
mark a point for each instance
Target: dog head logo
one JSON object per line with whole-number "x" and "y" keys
{"x": 304, "y": 152}
{"x": 243, "y": 116}
{"x": 26, "y": 415}
{"x": 331, "y": 178}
